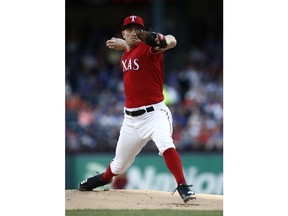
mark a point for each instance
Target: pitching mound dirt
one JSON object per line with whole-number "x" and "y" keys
{"x": 139, "y": 199}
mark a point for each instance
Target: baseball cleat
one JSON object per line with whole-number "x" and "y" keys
{"x": 185, "y": 192}
{"x": 93, "y": 182}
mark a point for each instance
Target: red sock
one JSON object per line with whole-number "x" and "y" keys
{"x": 108, "y": 175}
{"x": 174, "y": 164}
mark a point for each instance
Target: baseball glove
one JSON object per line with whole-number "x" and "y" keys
{"x": 152, "y": 39}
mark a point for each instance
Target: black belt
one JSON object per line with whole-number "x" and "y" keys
{"x": 139, "y": 112}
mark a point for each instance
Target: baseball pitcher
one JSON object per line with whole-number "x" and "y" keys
{"x": 146, "y": 117}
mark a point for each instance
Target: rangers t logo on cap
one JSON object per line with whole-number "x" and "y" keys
{"x": 133, "y": 18}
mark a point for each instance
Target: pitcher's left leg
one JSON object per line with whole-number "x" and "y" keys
{"x": 162, "y": 136}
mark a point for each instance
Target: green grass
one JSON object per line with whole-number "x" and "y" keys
{"x": 142, "y": 213}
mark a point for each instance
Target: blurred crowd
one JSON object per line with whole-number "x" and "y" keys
{"x": 95, "y": 97}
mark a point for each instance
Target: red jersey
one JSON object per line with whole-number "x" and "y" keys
{"x": 143, "y": 75}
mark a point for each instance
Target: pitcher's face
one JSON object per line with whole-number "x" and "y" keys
{"x": 129, "y": 34}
